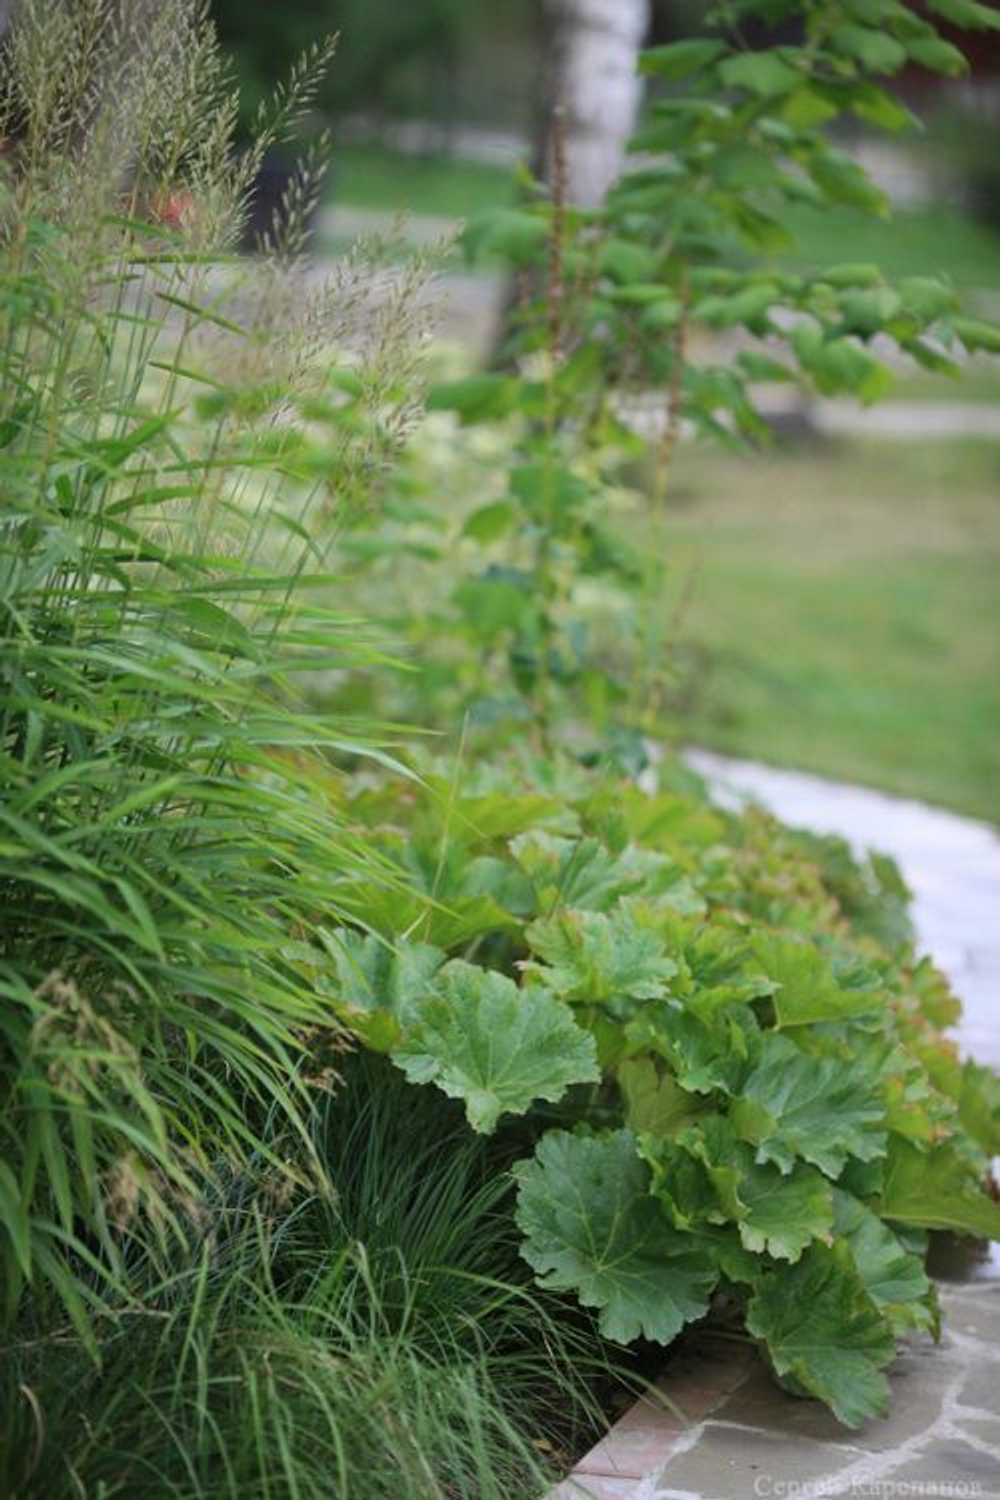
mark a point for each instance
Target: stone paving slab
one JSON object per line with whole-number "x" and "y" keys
{"x": 942, "y": 1437}
{"x": 698, "y": 1380}
{"x": 718, "y": 1428}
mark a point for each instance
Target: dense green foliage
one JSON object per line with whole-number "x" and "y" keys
{"x": 672, "y": 1061}
{"x": 753, "y": 1102}
{"x": 378, "y": 1338}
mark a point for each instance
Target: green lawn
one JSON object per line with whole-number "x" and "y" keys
{"x": 840, "y": 612}
{"x": 377, "y": 178}
{"x": 914, "y": 242}
{"x": 978, "y": 385}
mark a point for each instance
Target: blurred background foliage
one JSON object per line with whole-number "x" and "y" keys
{"x": 435, "y": 59}
{"x": 433, "y": 103}
{"x": 445, "y": 68}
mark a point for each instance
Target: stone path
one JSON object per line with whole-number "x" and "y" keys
{"x": 728, "y": 1433}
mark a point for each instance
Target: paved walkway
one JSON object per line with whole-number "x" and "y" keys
{"x": 736, "y": 1435}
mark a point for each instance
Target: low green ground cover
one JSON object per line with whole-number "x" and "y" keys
{"x": 716, "y": 1036}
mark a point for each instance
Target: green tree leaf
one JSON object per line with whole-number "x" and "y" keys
{"x": 677, "y": 60}
{"x": 591, "y": 1228}
{"x": 937, "y": 55}
{"x": 868, "y": 312}
{"x": 495, "y": 1046}
{"x": 824, "y": 1334}
{"x": 839, "y": 365}
{"x": 491, "y": 521}
{"x": 513, "y": 234}
{"x": 851, "y": 273}
{"x": 477, "y": 398}
{"x": 876, "y": 106}
{"x": 969, "y": 13}
{"x": 767, "y": 74}
{"x": 496, "y": 602}
{"x": 874, "y": 12}
{"x": 876, "y": 51}
{"x": 844, "y": 181}
{"x": 927, "y": 297}
{"x": 975, "y": 334}
{"x": 621, "y": 261}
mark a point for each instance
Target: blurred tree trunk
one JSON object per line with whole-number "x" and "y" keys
{"x": 588, "y": 53}
{"x": 592, "y": 48}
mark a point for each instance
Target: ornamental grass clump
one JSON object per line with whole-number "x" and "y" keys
{"x": 181, "y": 432}
{"x": 376, "y": 1339}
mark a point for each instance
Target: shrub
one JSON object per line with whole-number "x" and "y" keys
{"x": 719, "y": 1036}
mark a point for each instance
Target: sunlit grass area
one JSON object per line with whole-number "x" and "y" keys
{"x": 839, "y": 611}
{"x": 375, "y": 177}
{"x": 915, "y": 242}
{"x": 979, "y": 384}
